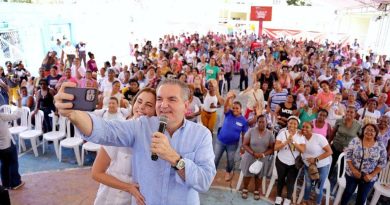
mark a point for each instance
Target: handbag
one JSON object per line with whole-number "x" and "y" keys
{"x": 255, "y": 167}
{"x": 313, "y": 172}
{"x": 298, "y": 160}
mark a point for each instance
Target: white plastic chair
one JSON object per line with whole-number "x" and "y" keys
{"x": 380, "y": 189}
{"x": 71, "y": 142}
{"x": 239, "y": 182}
{"x": 274, "y": 176}
{"x": 88, "y": 146}
{"x": 224, "y": 86}
{"x": 24, "y": 124}
{"x": 55, "y": 136}
{"x": 6, "y": 109}
{"x": 326, "y": 187}
{"x": 341, "y": 182}
{"x": 32, "y": 134}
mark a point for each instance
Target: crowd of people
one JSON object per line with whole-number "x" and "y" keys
{"x": 297, "y": 98}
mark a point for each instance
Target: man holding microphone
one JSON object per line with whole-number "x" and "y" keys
{"x": 185, "y": 164}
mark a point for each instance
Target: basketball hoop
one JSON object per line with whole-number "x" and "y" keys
{"x": 261, "y": 14}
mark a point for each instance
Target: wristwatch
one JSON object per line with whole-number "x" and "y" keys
{"x": 180, "y": 164}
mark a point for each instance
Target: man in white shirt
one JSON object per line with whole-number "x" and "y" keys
{"x": 296, "y": 59}
{"x": 190, "y": 54}
{"x": 327, "y": 76}
{"x": 114, "y": 112}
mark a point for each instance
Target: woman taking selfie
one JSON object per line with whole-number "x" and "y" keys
{"x": 365, "y": 157}
{"x": 112, "y": 166}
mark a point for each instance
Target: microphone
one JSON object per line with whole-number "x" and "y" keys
{"x": 161, "y": 128}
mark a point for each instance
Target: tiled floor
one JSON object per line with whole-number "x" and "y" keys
{"x": 75, "y": 186}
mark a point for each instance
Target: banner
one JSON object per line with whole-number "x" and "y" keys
{"x": 315, "y": 36}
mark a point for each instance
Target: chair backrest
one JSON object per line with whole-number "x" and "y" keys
{"x": 54, "y": 119}
{"x": 62, "y": 122}
{"x": 384, "y": 176}
{"x": 24, "y": 117}
{"x": 68, "y": 130}
{"x": 6, "y": 109}
{"x": 339, "y": 160}
{"x": 38, "y": 120}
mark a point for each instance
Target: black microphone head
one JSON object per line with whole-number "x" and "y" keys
{"x": 163, "y": 119}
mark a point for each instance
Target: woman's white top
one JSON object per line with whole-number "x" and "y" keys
{"x": 120, "y": 168}
{"x": 208, "y": 100}
{"x": 285, "y": 154}
{"x": 314, "y": 148}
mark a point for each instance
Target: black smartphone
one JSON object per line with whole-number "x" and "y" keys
{"x": 85, "y": 99}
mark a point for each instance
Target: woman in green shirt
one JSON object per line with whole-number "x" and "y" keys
{"x": 212, "y": 70}
{"x": 308, "y": 113}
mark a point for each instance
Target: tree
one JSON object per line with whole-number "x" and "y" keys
{"x": 298, "y": 3}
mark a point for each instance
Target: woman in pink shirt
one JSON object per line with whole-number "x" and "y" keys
{"x": 325, "y": 98}
{"x": 320, "y": 126}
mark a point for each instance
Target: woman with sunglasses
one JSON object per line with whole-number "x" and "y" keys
{"x": 45, "y": 102}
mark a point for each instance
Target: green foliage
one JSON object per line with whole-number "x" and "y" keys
{"x": 297, "y": 3}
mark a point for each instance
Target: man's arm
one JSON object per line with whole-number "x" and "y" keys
{"x": 100, "y": 131}
{"x": 199, "y": 166}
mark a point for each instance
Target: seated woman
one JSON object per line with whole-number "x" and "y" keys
{"x": 258, "y": 144}
{"x": 317, "y": 152}
{"x": 365, "y": 157}
{"x": 27, "y": 100}
{"x": 112, "y": 166}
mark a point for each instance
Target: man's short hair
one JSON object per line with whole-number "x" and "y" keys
{"x": 115, "y": 99}
{"x": 185, "y": 91}
{"x": 133, "y": 81}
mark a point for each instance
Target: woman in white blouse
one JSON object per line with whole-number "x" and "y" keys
{"x": 317, "y": 152}
{"x": 290, "y": 145}
{"x": 112, "y": 167}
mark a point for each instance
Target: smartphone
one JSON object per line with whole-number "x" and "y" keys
{"x": 85, "y": 99}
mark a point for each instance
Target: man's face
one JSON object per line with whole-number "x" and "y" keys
{"x": 171, "y": 103}
{"x": 112, "y": 106}
{"x": 133, "y": 86}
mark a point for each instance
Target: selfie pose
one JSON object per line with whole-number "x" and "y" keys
{"x": 185, "y": 164}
